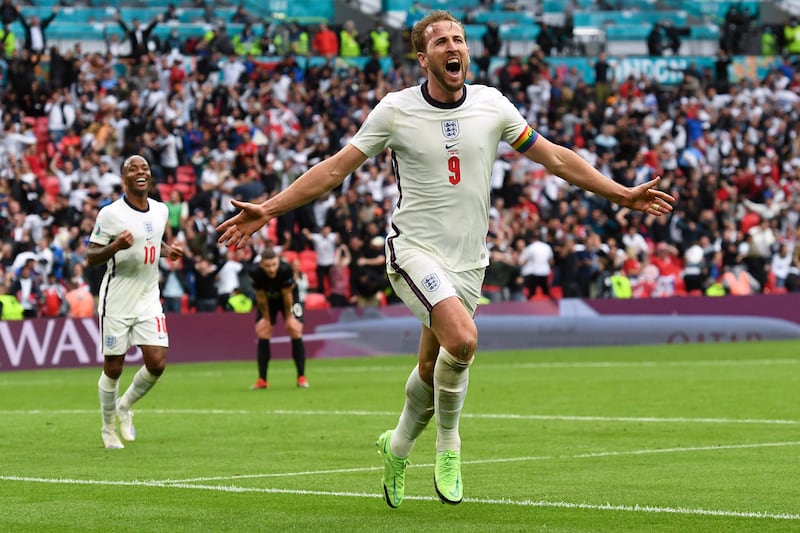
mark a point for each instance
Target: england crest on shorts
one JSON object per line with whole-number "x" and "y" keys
{"x": 450, "y": 129}
{"x": 110, "y": 341}
{"x": 431, "y": 282}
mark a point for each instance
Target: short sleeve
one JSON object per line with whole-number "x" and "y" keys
{"x": 104, "y": 230}
{"x": 376, "y": 131}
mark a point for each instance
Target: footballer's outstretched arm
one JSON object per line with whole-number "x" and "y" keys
{"x": 315, "y": 182}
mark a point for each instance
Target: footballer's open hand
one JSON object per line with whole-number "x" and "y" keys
{"x": 648, "y": 198}
{"x": 238, "y": 229}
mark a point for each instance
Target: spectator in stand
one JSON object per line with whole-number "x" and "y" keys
{"x": 27, "y": 289}
{"x": 349, "y": 40}
{"x": 380, "y": 40}
{"x": 54, "y": 298}
{"x": 325, "y": 243}
{"x": 762, "y": 238}
{"x": 138, "y": 36}
{"x": 325, "y": 43}
{"x": 339, "y": 295}
{"x": 204, "y": 273}
{"x": 10, "y": 308}
{"x": 793, "y": 277}
{"x": 368, "y": 272}
{"x": 536, "y": 261}
{"x": 695, "y": 272}
{"x": 173, "y": 282}
{"x": 228, "y": 275}
{"x": 492, "y": 42}
{"x": 781, "y": 264}
{"x": 80, "y": 300}
{"x": 301, "y": 280}
{"x": 35, "y": 40}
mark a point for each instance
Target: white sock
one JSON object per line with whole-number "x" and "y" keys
{"x": 142, "y": 382}
{"x": 417, "y": 412}
{"x": 450, "y": 381}
{"x": 107, "y": 390}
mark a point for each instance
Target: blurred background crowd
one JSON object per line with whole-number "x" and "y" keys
{"x": 242, "y": 114}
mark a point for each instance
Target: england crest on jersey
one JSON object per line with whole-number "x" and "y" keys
{"x": 148, "y": 228}
{"x": 450, "y": 129}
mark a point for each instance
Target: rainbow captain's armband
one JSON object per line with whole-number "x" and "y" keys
{"x": 525, "y": 140}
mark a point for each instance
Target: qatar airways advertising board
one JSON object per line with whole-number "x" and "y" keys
{"x": 197, "y": 337}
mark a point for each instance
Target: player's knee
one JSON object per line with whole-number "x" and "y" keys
{"x": 464, "y": 344}
{"x": 113, "y": 373}
{"x": 155, "y": 361}
{"x": 156, "y": 368}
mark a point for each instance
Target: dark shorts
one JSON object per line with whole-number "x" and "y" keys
{"x": 276, "y": 306}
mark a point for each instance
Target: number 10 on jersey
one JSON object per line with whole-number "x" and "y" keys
{"x": 149, "y": 254}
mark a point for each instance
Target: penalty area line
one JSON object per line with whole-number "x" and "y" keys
{"x": 484, "y": 501}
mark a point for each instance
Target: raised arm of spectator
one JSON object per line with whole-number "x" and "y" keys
{"x": 46, "y": 21}
{"x": 54, "y": 162}
{"x": 118, "y": 18}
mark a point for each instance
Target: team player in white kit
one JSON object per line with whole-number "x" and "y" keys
{"x": 127, "y": 236}
{"x": 443, "y": 136}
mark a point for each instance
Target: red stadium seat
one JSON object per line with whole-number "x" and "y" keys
{"x": 51, "y": 185}
{"x": 311, "y": 274}
{"x": 164, "y": 189}
{"x": 289, "y": 256}
{"x": 185, "y": 189}
{"x": 315, "y": 300}
{"x": 308, "y": 256}
{"x": 185, "y": 174}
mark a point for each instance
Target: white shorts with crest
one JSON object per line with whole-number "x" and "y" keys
{"x": 422, "y": 282}
{"x": 119, "y": 334}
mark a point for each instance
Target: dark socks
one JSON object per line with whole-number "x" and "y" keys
{"x": 263, "y": 357}
{"x": 299, "y": 356}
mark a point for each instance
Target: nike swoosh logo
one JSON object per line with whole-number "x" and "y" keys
{"x": 454, "y": 493}
{"x": 450, "y": 146}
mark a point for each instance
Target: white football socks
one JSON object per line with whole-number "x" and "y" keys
{"x": 107, "y": 390}
{"x": 450, "y": 381}
{"x": 417, "y": 412}
{"x": 142, "y": 382}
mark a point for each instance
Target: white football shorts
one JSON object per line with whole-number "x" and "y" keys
{"x": 119, "y": 334}
{"x": 421, "y": 282}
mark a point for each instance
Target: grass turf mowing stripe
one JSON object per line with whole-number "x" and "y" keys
{"x": 519, "y": 503}
{"x": 494, "y": 416}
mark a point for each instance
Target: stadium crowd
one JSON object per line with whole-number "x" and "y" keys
{"x": 218, "y": 122}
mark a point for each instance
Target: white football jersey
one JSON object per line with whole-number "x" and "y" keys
{"x": 443, "y": 156}
{"x": 130, "y": 284}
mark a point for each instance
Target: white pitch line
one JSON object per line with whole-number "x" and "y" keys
{"x": 529, "y": 458}
{"x": 485, "y": 416}
{"x": 484, "y": 501}
{"x": 486, "y": 362}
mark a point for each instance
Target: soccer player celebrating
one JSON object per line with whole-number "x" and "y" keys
{"x": 127, "y": 237}
{"x": 276, "y": 292}
{"x": 444, "y": 137}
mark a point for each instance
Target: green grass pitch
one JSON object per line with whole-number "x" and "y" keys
{"x": 689, "y": 438}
